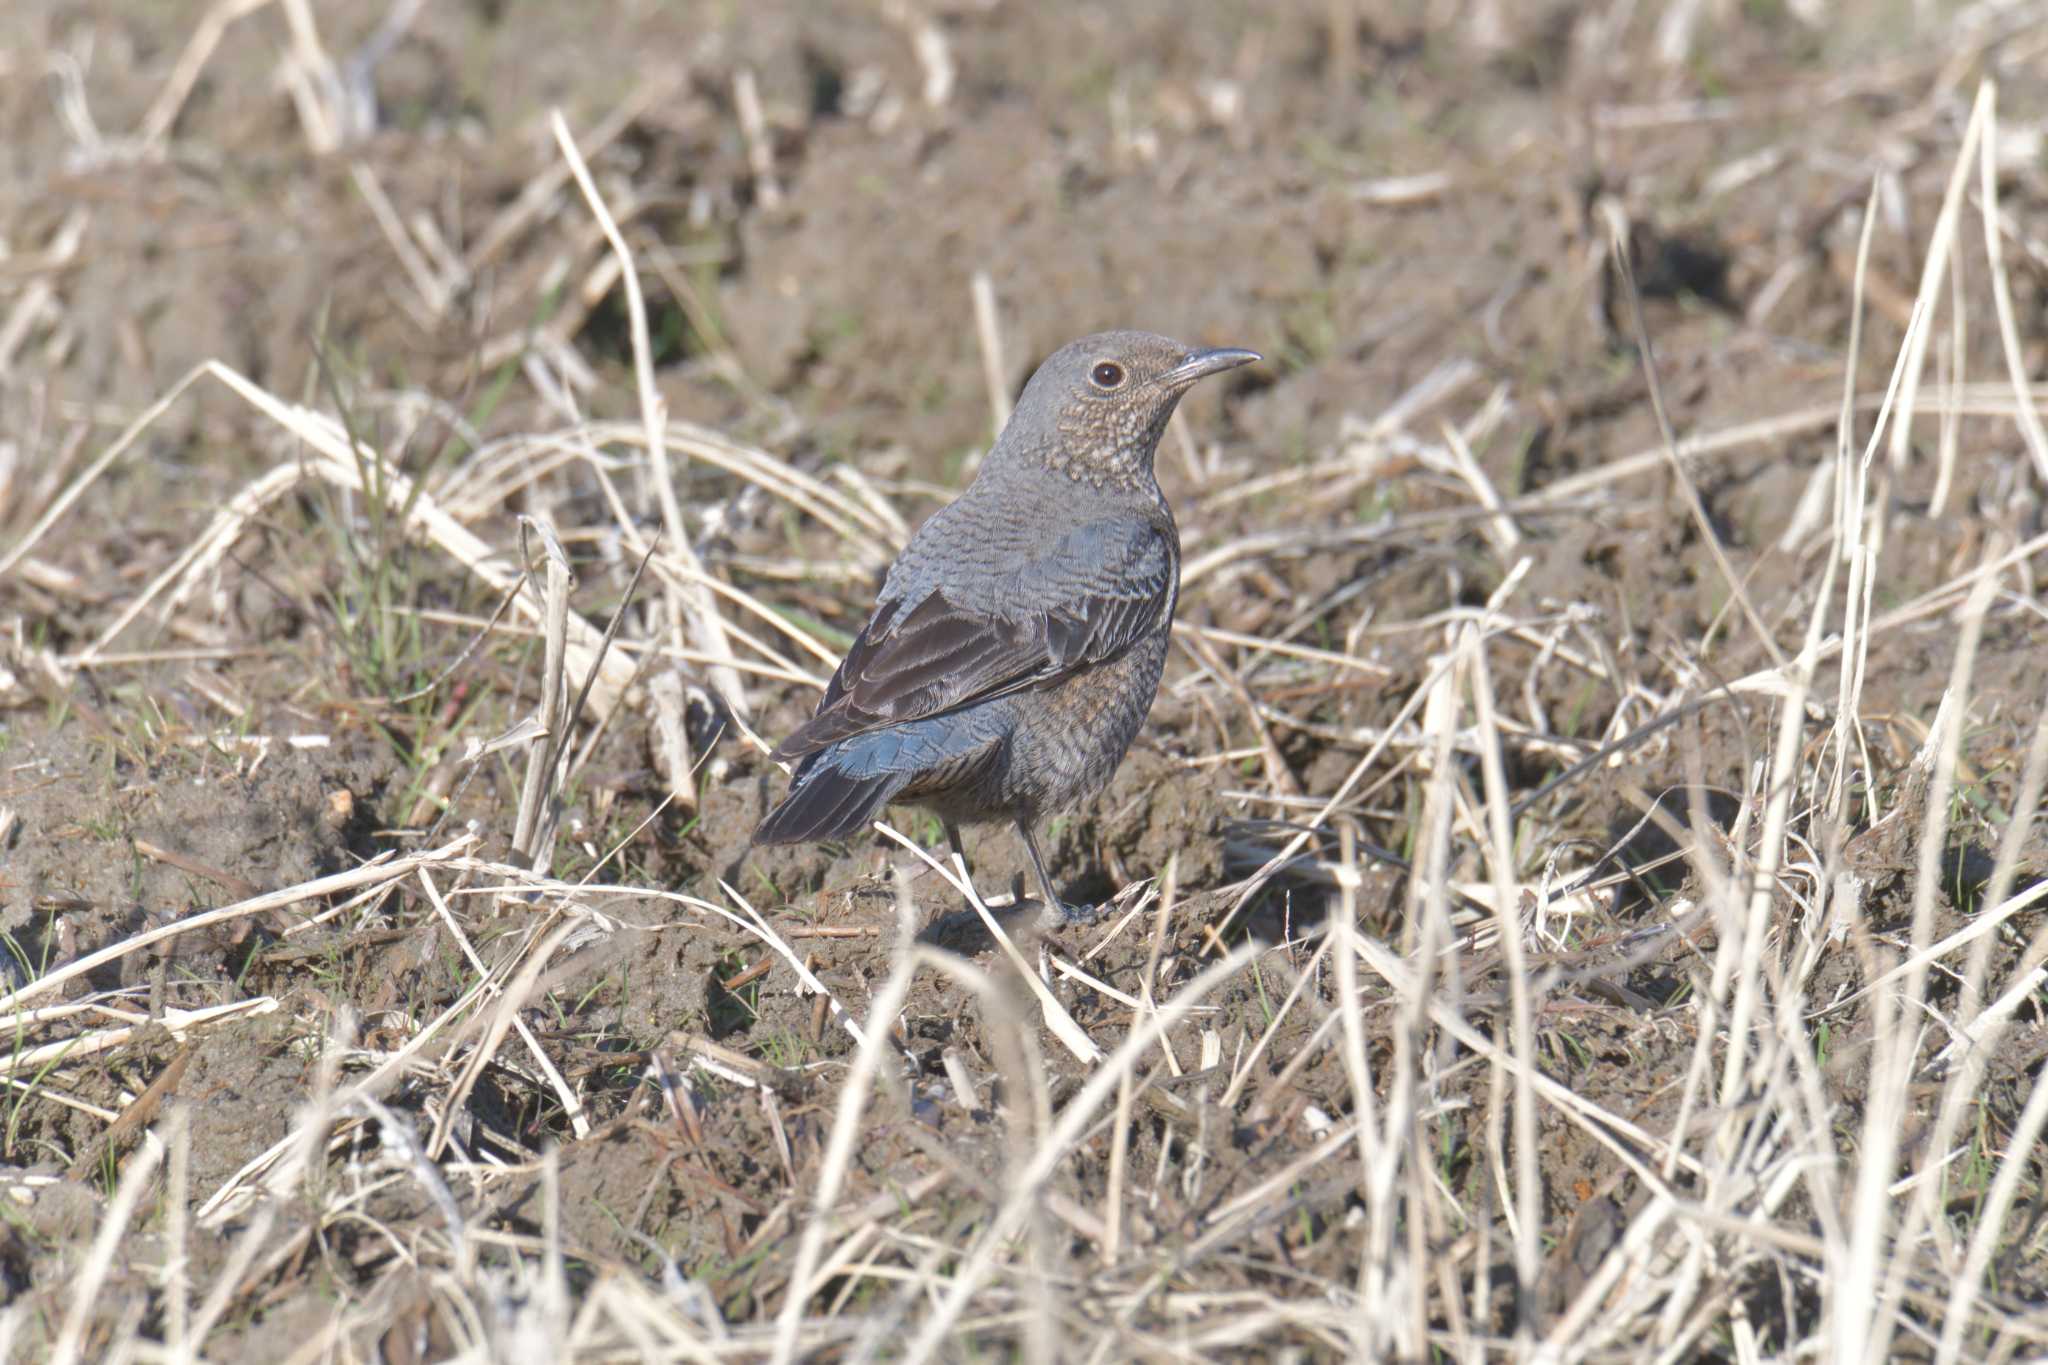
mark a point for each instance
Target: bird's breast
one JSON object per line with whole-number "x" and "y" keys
{"x": 1071, "y": 736}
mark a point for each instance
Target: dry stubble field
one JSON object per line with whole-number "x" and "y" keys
{"x": 1577, "y": 896}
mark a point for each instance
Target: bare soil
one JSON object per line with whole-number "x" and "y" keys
{"x": 1411, "y": 197}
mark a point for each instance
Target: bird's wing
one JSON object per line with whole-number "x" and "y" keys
{"x": 1103, "y": 587}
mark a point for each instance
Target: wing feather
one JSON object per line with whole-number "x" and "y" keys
{"x": 1105, "y": 586}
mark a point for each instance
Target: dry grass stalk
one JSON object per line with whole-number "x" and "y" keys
{"x": 1836, "y": 1176}
{"x": 707, "y": 629}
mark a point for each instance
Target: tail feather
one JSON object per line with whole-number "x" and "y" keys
{"x": 828, "y": 803}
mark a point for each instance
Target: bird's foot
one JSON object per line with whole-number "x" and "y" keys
{"x": 1062, "y": 915}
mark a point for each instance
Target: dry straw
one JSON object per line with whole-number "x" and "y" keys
{"x": 1438, "y": 1026}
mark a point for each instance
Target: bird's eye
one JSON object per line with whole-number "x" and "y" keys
{"x": 1107, "y": 375}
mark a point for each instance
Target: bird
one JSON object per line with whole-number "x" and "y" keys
{"x": 1018, "y": 640}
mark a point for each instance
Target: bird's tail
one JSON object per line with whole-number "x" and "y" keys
{"x": 828, "y": 802}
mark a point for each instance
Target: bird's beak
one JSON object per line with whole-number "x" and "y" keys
{"x": 1202, "y": 364}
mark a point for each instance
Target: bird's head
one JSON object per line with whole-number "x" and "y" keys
{"x": 1096, "y": 407}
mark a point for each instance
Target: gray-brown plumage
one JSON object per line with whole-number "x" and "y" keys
{"x": 1018, "y": 640}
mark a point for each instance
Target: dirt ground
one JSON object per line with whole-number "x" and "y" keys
{"x": 1406, "y": 207}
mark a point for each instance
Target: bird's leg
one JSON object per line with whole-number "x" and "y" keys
{"x": 1057, "y": 911}
{"x": 960, "y": 858}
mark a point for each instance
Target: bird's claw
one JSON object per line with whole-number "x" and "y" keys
{"x": 1061, "y": 915}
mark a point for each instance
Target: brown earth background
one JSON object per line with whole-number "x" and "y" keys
{"x": 308, "y": 1128}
